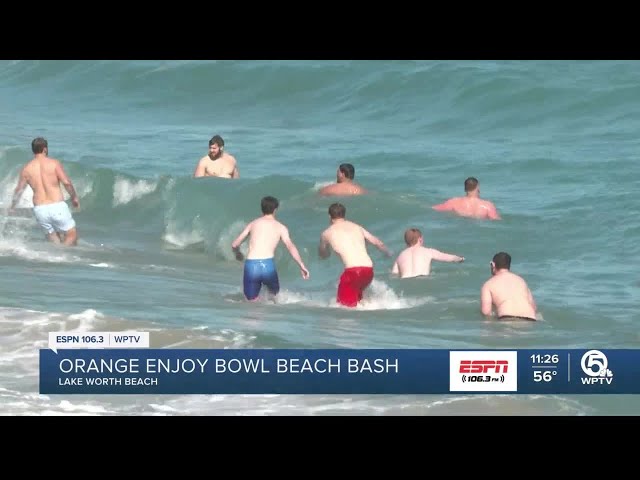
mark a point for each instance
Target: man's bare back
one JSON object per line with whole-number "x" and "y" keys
{"x": 508, "y": 293}
{"x": 45, "y": 176}
{"x": 264, "y": 236}
{"x": 342, "y": 189}
{"x": 470, "y": 205}
{"x": 416, "y": 261}
{"x": 344, "y": 186}
{"x": 347, "y": 240}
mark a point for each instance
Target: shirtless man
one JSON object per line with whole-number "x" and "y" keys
{"x": 347, "y": 239}
{"x": 344, "y": 185}
{"x": 265, "y": 234}
{"x": 471, "y": 205}
{"x": 506, "y": 291}
{"x": 415, "y": 260}
{"x": 44, "y": 175}
{"x": 217, "y": 163}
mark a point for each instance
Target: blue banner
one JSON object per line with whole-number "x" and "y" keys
{"x": 342, "y": 371}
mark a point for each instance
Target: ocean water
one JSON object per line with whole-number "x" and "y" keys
{"x": 554, "y": 144}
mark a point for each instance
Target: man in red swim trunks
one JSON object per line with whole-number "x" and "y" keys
{"x": 347, "y": 239}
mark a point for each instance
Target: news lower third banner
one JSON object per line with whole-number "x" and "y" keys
{"x": 119, "y": 370}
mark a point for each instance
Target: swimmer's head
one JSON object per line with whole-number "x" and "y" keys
{"x": 346, "y": 171}
{"x": 337, "y": 210}
{"x": 501, "y": 261}
{"x": 471, "y": 185}
{"x": 412, "y": 237}
{"x": 39, "y": 145}
{"x": 216, "y": 146}
{"x": 269, "y": 205}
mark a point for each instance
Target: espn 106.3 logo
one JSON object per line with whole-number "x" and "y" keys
{"x": 483, "y": 371}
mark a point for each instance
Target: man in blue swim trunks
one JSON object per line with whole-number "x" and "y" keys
{"x": 265, "y": 234}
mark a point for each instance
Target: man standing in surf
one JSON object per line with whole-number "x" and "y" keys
{"x": 45, "y": 176}
{"x": 348, "y": 240}
{"x": 265, "y": 234}
{"x": 217, "y": 163}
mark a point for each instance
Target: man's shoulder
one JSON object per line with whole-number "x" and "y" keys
{"x": 327, "y": 189}
{"x": 488, "y": 283}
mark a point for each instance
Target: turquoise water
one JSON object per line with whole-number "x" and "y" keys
{"x": 554, "y": 145}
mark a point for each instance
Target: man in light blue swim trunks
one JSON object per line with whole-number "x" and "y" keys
{"x": 265, "y": 234}
{"x": 44, "y": 175}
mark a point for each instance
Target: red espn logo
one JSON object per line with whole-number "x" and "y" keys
{"x": 483, "y": 366}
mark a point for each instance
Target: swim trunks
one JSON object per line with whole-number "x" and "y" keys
{"x": 353, "y": 283}
{"x": 515, "y": 317}
{"x": 258, "y": 272}
{"x": 54, "y": 217}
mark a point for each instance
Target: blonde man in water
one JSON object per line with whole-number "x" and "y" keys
{"x": 470, "y": 205}
{"x": 415, "y": 260}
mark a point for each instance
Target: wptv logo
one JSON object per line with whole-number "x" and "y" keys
{"x": 483, "y": 371}
{"x": 595, "y": 365}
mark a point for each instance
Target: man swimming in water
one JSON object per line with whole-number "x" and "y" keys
{"x": 506, "y": 291}
{"x": 265, "y": 234}
{"x": 344, "y": 185}
{"x": 415, "y": 260}
{"x": 217, "y": 163}
{"x": 347, "y": 239}
{"x": 471, "y": 205}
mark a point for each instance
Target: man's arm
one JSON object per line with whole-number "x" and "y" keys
{"x": 17, "y": 193}
{"x": 66, "y": 181}
{"x": 376, "y": 242}
{"x": 323, "y": 249}
{"x": 532, "y": 301}
{"x": 293, "y": 250}
{"x": 444, "y": 257}
{"x": 199, "y": 171}
{"x": 235, "y": 245}
{"x": 236, "y": 172}
{"x": 395, "y": 270}
{"x": 492, "y": 212}
{"x": 444, "y": 207}
{"x": 486, "y": 303}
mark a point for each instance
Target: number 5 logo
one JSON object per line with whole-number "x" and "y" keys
{"x": 594, "y": 363}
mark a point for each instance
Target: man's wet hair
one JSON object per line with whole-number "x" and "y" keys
{"x": 216, "y": 140}
{"x": 337, "y": 210}
{"x": 502, "y": 260}
{"x": 348, "y": 170}
{"x": 38, "y": 145}
{"x": 269, "y": 204}
{"x": 411, "y": 236}
{"x": 470, "y": 184}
